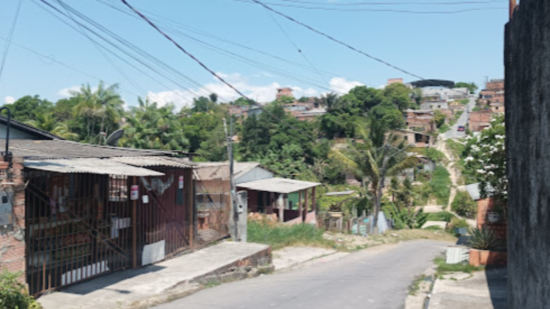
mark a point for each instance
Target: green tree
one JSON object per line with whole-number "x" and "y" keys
{"x": 27, "y": 107}
{"x": 330, "y": 101}
{"x": 214, "y": 148}
{"x": 399, "y": 95}
{"x": 439, "y": 118}
{"x": 47, "y": 122}
{"x": 389, "y": 114}
{"x": 102, "y": 106}
{"x": 286, "y": 100}
{"x": 472, "y": 87}
{"x": 375, "y": 162}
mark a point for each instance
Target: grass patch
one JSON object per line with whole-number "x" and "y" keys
{"x": 444, "y": 128}
{"x": 414, "y": 234}
{"x": 415, "y": 285}
{"x": 464, "y": 205}
{"x": 279, "y": 236}
{"x": 464, "y": 101}
{"x": 440, "y": 185}
{"x": 443, "y": 267}
{"x": 440, "y": 216}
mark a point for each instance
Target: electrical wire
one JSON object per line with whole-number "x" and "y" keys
{"x": 394, "y": 3}
{"x": 337, "y": 41}
{"x": 207, "y": 68}
{"x": 377, "y": 10}
{"x": 63, "y": 64}
{"x": 10, "y": 35}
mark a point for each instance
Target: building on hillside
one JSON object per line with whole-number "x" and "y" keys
{"x": 480, "y": 120}
{"x": 395, "y": 81}
{"x": 419, "y": 120}
{"x": 299, "y": 106}
{"x": 284, "y": 92}
{"x": 497, "y": 107}
{"x": 493, "y": 92}
{"x": 443, "y": 94}
{"x": 311, "y": 114}
{"x": 418, "y": 139}
{"x": 434, "y": 105}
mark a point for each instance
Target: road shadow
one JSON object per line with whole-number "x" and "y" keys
{"x": 497, "y": 282}
{"x": 105, "y": 281}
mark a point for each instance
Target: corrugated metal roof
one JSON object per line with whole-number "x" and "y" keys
{"x": 278, "y": 185}
{"x": 474, "y": 191}
{"x": 239, "y": 168}
{"x": 153, "y": 161}
{"x": 88, "y": 166}
{"x": 61, "y": 149}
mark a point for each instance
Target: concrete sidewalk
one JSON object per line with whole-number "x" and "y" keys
{"x": 155, "y": 283}
{"x": 480, "y": 290}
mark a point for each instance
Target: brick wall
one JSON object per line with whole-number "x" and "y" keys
{"x": 484, "y": 206}
{"x": 480, "y": 119}
{"x": 12, "y": 242}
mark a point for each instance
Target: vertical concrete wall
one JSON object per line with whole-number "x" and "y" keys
{"x": 527, "y": 60}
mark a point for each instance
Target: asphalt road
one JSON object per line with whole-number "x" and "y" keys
{"x": 374, "y": 278}
{"x": 462, "y": 121}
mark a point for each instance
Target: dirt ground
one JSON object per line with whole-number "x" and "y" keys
{"x": 356, "y": 242}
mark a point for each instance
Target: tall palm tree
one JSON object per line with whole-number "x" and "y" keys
{"x": 98, "y": 105}
{"x": 375, "y": 162}
{"x": 47, "y": 122}
{"x": 330, "y": 101}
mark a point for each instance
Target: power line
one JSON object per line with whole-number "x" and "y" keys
{"x": 295, "y": 45}
{"x": 63, "y": 64}
{"x": 204, "y": 66}
{"x": 376, "y": 10}
{"x": 10, "y": 35}
{"x": 337, "y": 41}
{"x": 395, "y": 3}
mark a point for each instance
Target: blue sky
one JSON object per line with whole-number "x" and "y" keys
{"x": 467, "y": 46}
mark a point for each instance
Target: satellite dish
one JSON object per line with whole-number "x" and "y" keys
{"x": 112, "y": 140}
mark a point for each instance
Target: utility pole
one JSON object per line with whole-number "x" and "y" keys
{"x": 231, "y": 179}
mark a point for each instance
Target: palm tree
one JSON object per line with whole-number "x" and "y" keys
{"x": 47, "y": 122}
{"x": 103, "y": 103}
{"x": 330, "y": 101}
{"x": 375, "y": 160}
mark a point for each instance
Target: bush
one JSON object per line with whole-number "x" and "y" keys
{"x": 441, "y": 185}
{"x": 444, "y": 128}
{"x": 13, "y": 294}
{"x": 464, "y": 205}
{"x": 483, "y": 239}
{"x": 279, "y": 236}
{"x": 441, "y": 216}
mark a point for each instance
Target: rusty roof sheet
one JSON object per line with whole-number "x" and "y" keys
{"x": 61, "y": 149}
{"x": 154, "y": 161}
{"x": 88, "y": 166}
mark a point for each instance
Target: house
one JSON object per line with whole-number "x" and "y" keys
{"x": 420, "y": 120}
{"x": 443, "y": 94}
{"x": 497, "y": 107}
{"x": 493, "y": 92}
{"x": 284, "y": 92}
{"x": 486, "y": 215}
{"x": 418, "y": 139}
{"x": 311, "y": 114}
{"x": 480, "y": 120}
{"x": 72, "y": 211}
{"x": 435, "y": 105}
{"x": 19, "y": 130}
{"x": 293, "y": 201}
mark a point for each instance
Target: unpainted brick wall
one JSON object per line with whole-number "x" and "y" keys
{"x": 12, "y": 243}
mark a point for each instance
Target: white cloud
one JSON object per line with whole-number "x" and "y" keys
{"x": 260, "y": 93}
{"x": 65, "y": 93}
{"x": 9, "y": 100}
{"x": 341, "y": 85}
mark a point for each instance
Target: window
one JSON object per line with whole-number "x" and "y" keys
{"x": 118, "y": 188}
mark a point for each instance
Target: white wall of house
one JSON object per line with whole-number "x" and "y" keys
{"x": 256, "y": 173}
